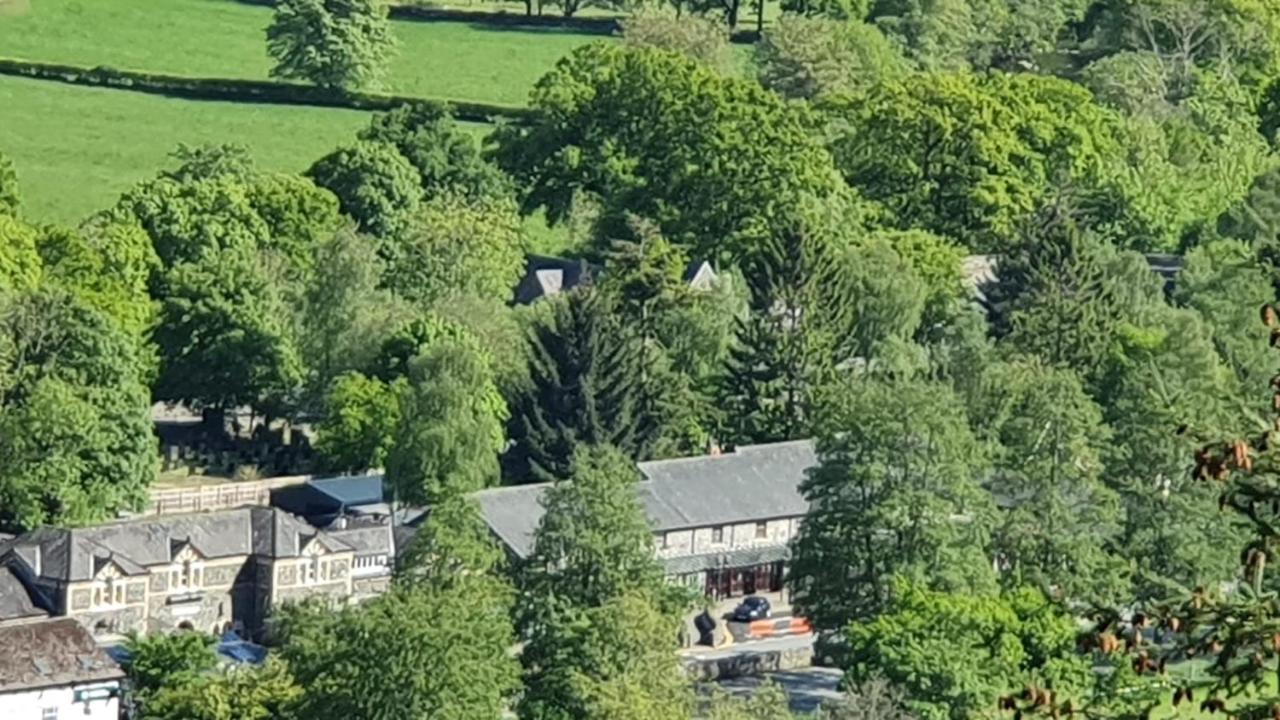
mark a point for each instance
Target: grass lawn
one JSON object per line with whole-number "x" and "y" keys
{"x": 76, "y": 149}
{"x": 223, "y": 38}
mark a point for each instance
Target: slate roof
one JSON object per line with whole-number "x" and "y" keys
{"x": 132, "y": 545}
{"x": 17, "y": 601}
{"x": 51, "y": 653}
{"x": 753, "y": 483}
{"x": 367, "y": 536}
{"x": 545, "y": 275}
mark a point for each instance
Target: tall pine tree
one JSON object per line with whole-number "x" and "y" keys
{"x": 584, "y": 389}
{"x": 786, "y": 345}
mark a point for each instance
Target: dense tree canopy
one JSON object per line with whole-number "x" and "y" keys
{"x": 716, "y": 161}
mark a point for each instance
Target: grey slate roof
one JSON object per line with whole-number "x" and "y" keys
{"x": 17, "y": 601}
{"x": 51, "y": 653}
{"x": 77, "y": 554}
{"x": 366, "y": 536}
{"x": 756, "y": 482}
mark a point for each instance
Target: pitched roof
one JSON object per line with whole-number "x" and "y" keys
{"x": 544, "y": 275}
{"x": 348, "y": 491}
{"x": 755, "y": 482}
{"x": 133, "y": 545}
{"x": 17, "y": 599}
{"x": 50, "y": 653}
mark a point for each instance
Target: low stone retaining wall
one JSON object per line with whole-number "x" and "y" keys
{"x": 747, "y": 663}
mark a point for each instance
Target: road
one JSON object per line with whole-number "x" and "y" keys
{"x": 806, "y": 688}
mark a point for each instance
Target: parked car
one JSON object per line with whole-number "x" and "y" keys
{"x": 752, "y": 607}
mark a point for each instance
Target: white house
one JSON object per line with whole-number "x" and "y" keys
{"x": 52, "y": 669}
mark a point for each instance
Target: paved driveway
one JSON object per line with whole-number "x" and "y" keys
{"x": 806, "y": 687}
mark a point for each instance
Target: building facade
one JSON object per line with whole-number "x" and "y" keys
{"x": 51, "y": 669}
{"x": 722, "y": 523}
{"x": 212, "y": 571}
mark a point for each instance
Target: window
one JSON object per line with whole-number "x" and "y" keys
{"x": 762, "y": 530}
{"x": 117, "y": 591}
{"x": 49, "y": 714}
{"x": 717, "y": 534}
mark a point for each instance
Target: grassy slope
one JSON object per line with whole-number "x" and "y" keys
{"x": 222, "y": 38}
{"x": 77, "y": 149}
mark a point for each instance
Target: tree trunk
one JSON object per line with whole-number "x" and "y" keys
{"x": 759, "y": 19}
{"x": 528, "y": 8}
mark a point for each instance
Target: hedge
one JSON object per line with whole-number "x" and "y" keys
{"x": 582, "y": 25}
{"x": 254, "y": 91}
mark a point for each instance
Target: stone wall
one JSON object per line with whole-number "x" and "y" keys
{"x": 744, "y": 664}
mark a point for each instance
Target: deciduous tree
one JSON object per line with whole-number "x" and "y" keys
{"x": 896, "y": 492}
{"x": 716, "y": 162}
{"x": 450, "y": 429}
{"x": 803, "y": 57}
{"x": 340, "y": 44}
{"x": 76, "y": 444}
{"x": 376, "y": 186}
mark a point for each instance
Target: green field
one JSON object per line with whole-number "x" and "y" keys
{"x": 78, "y": 148}
{"x": 223, "y": 38}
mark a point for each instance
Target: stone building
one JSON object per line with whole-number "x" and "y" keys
{"x": 722, "y": 523}
{"x": 50, "y": 668}
{"x": 211, "y": 571}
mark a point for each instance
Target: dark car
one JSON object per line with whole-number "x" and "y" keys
{"x": 752, "y": 608}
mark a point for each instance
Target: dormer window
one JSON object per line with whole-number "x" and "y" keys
{"x": 187, "y": 571}
{"x": 108, "y": 587}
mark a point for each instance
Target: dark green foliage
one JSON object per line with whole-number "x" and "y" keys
{"x": 76, "y": 445}
{"x": 453, "y": 542}
{"x": 787, "y": 346}
{"x": 247, "y": 90}
{"x": 896, "y": 492}
{"x": 1257, "y": 217}
{"x": 584, "y": 375}
{"x": 801, "y": 57}
{"x": 447, "y": 159}
{"x": 613, "y": 661}
{"x": 345, "y": 316}
{"x": 1163, "y": 375}
{"x": 224, "y": 335}
{"x": 9, "y": 197}
{"x": 1226, "y": 284}
{"x": 834, "y": 9}
{"x": 376, "y": 186}
{"x": 1062, "y": 293}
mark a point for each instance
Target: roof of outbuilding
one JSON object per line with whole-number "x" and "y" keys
{"x": 51, "y": 653}
{"x": 755, "y": 482}
{"x": 351, "y": 491}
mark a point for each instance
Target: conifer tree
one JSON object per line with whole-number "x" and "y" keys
{"x": 599, "y": 622}
{"x": 585, "y": 378}
{"x": 786, "y": 344}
